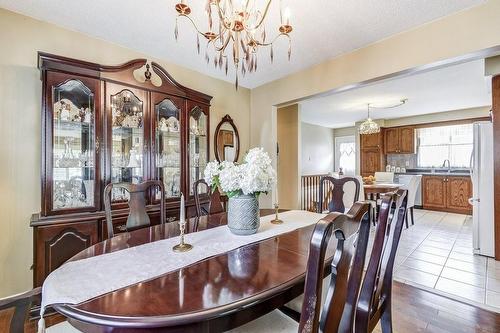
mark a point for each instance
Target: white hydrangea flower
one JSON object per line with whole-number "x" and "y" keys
{"x": 211, "y": 171}
{"x": 230, "y": 177}
{"x": 259, "y": 175}
{"x": 254, "y": 176}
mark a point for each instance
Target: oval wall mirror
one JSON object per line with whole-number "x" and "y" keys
{"x": 227, "y": 140}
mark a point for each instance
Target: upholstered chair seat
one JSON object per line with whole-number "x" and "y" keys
{"x": 63, "y": 327}
{"x": 273, "y": 322}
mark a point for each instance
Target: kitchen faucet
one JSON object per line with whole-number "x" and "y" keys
{"x": 449, "y": 164}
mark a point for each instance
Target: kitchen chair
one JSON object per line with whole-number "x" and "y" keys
{"x": 375, "y": 299}
{"x": 215, "y": 204}
{"x": 337, "y": 313}
{"x": 412, "y": 188}
{"x": 336, "y": 194}
{"x": 384, "y": 177}
{"x": 138, "y": 216}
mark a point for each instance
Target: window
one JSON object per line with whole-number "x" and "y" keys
{"x": 345, "y": 154}
{"x": 436, "y": 144}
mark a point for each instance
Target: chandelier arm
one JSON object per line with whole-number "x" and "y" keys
{"x": 223, "y": 47}
{"x": 194, "y": 25}
{"x": 263, "y": 16}
{"x": 273, "y": 40}
{"x": 222, "y": 15}
{"x": 246, "y": 5}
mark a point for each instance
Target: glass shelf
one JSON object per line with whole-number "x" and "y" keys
{"x": 198, "y": 146}
{"x": 73, "y": 146}
{"x": 127, "y": 162}
{"x": 168, "y": 147}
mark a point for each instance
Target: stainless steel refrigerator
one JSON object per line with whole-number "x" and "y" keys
{"x": 482, "y": 190}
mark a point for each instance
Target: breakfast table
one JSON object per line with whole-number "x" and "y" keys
{"x": 374, "y": 190}
{"x": 222, "y": 291}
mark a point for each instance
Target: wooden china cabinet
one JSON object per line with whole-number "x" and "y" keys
{"x": 99, "y": 125}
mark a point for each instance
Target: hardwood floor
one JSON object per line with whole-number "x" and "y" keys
{"x": 414, "y": 310}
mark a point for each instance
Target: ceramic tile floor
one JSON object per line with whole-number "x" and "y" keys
{"x": 436, "y": 254}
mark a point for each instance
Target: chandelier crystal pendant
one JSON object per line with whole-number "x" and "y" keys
{"x": 236, "y": 30}
{"x": 369, "y": 126}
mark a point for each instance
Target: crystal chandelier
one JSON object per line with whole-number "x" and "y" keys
{"x": 369, "y": 126}
{"x": 236, "y": 29}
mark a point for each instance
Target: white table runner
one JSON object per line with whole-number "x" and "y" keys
{"x": 81, "y": 280}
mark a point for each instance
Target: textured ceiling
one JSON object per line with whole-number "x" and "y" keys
{"x": 322, "y": 28}
{"x": 450, "y": 88}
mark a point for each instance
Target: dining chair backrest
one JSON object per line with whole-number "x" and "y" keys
{"x": 361, "y": 190}
{"x": 412, "y": 188}
{"x": 384, "y": 177}
{"x": 215, "y": 202}
{"x": 138, "y": 216}
{"x": 337, "y": 313}
{"x": 333, "y": 193}
{"x": 376, "y": 291}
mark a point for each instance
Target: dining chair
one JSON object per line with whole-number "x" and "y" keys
{"x": 384, "y": 177}
{"x": 336, "y": 313}
{"x": 375, "y": 299}
{"x": 138, "y": 216}
{"x": 412, "y": 188}
{"x": 215, "y": 205}
{"x": 337, "y": 194}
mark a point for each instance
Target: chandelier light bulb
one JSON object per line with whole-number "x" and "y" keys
{"x": 286, "y": 15}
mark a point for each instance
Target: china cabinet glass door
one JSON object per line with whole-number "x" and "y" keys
{"x": 127, "y": 141}
{"x": 167, "y": 144}
{"x": 198, "y": 144}
{"x": 74, "y": 145}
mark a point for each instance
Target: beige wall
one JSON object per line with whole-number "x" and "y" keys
{"x": 492, "y": 66}
{"x": 440, "y": 116}
{"x": 462, "y": 33}
{"x": 316, "y": 146}
{"x": 345, "y": 131}
{"x": 20, "y": 96}
{"x": 288, "y": 130}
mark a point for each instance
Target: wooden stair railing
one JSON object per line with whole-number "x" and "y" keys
{"x": 309, "y": 192}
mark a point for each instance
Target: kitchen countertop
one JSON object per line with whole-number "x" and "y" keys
{"x": 438, "y": 172}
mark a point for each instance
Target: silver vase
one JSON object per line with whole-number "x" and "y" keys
{"x": 243, "y": 215}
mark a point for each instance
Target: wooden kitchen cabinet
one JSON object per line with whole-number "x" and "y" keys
{"x": 371, "y": 141}
{"x": 399, "y": 140}
{"x": 391, "y": 143}
{"x": 447, "y": 193}
{"x": 434, "y": 192}
{"x": 372, "y": 156}
{"x": 459, "y": 192}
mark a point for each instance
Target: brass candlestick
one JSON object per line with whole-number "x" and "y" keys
{"x": 276, "y": 219}
{"x": 182, "y": 247}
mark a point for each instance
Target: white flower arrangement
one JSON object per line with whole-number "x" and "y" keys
{"x": 254, "y": 176}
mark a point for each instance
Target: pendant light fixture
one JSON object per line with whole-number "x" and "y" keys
{"x": 369, "y": 126}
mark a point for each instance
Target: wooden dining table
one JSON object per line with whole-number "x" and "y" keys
{"x": 373, "y": 191}
{"x": 212, "y": 295}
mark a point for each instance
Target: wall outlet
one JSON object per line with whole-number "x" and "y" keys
{"x": 407, "y": 163}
